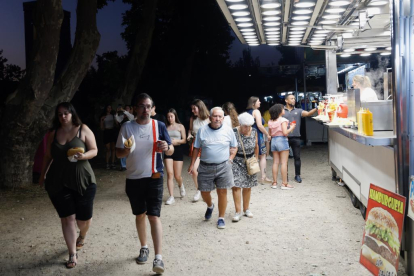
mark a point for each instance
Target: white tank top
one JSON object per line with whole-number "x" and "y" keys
{"x": 197, "y": 124}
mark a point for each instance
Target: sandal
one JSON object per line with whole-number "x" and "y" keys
{"x": 287, "y": 186}
{"x": 266, "y": 181}
{"x": 80, "y": 242}
{"x": 71, "y": 263}
{"x": 274, "y": 185}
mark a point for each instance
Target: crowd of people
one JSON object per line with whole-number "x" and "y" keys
{"x": 227, "y": 150}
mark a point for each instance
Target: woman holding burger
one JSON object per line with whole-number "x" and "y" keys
{"x": 68, "y": 176}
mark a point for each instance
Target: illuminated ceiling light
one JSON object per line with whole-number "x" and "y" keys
{"x": 297, "y": 29}
{"x": 271, "y": 18}
{"x": 322, "y": 32}
{"x": 271, "y": 5}
{"x": 296, "y": 23}
{"x": 301, "y": 17}
{"x": 319, "y": 35}
{"x": 293, "y": 35}
{"x": 272, "y": 29}
{"x": 297, "y": 32}
{"x": 253, "y": 45}
{"x": 370, "y": 49}
{"x": 250, "y": 36}
{"x": 365, "y": 55}
{"x": 243, "y": 19}
{"x": 304, "y": 4}
{"x": 271, "y": 23}
{"x": 349, "y": 50}
{"x": 302, "y": 11}
{"x": 272, "y": 33}
{"x": 388, "y": 48}
{"x": 317, "y": 39}
{"x": 274, "y": 39}
{"x": 339, "y": 3}
{"x": 247, "y": 30}
{"x": 294, "y": 43}
{"x": 327, "y": 22}
{"x": 245, "y": 24}
{"x": 273, "y": 44}
{"x": 332, "y": 16}
{"x": 345, "y": 55}
{"x": 234, "y": 0}
{"x": 249, "y": 33}
{"x": 378, "y": 3}
{"x": 271, "y": 12}
{"x": 335, "y": 10}
{"x": 238, "y": 7}
{"x": 241, "y": 13}
{"x": 385, "y": 54}
{"x": 315, "y": 43}
{"x": 295, "y": 38}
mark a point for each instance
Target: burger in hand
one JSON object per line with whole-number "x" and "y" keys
{"x": 381, "y": 243}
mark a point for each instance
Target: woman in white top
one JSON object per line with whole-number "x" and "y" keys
{"x": 200, "y": 118}
{"x": 367, "y": 94}
{"x": 231, "y": 116}
{"x": 174, "y": 162}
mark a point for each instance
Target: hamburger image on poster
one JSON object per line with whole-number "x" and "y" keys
{"x": 381, "y": 243}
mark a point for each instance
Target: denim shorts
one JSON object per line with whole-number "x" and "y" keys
{"x": 280, "y": 143}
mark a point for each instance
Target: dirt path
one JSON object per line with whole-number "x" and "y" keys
{"x": 311, "y": 230}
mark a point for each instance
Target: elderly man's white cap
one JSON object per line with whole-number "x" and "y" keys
{"x": 245, "y": 119}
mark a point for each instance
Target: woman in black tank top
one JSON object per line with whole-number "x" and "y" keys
{"x": 71, "y": 185}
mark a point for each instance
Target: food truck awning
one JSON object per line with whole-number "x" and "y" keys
{"x": 346, "y": 26}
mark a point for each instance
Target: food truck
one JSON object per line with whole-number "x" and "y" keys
{"x": 354, "y": 30}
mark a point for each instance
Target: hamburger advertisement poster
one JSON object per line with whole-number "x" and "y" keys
{"x": 381, "y": 242}
{"x": 411, "y": 199}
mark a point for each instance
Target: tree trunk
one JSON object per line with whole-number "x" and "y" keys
{"x": 17, "y": 145}
{"x": 139, "y": 52}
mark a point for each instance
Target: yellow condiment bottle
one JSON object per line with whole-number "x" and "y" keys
{"x": 367, "y": 123}
{"x": 360, "y": 121}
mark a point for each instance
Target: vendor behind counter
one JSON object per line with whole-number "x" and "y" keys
{"x": 363, "y": 83}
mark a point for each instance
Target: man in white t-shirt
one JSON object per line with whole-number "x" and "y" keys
{"x": 144, "y": 183}
{"x": 216, "y": 142}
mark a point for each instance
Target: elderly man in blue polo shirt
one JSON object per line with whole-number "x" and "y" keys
{"x": 217, "y": 142}
{"x": 295, "y": 114}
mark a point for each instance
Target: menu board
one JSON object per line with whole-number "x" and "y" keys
{"x": 381, "y": 241}
{"x": 411, "y": 199}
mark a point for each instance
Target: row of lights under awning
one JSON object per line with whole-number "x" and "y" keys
{"x": 300, "y": 19}
{"x": 364, "y": 52}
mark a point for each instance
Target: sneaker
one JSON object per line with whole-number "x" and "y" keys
{"x": 209, "y": 212}
{"x": 108, "y": 167}
{"x": 197, "y": 196}
{"x": 237, "y": 217}
{"x": 182, "y": 190}
{"x": 143, "y": 256}
{"x": 221, "y": 224}
{"x": 170, "y": 200}
{"x": 298, "y": 179}
{"x": 248, "y": 214}
{"x": 158, "y": 266}
{"x": 269, "y": 157}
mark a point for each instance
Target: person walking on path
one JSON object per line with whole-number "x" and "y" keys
{"x": 230, "y": 115}
{"x": 71, "y": 185}
{"x": 144, "y": 174}
{"x": 216, "y": 142}
{"x": 110, "y": 132}
{"x": 246, "y": 137}
{"x": 253, "y": 106}
{"x": 294, "y": 114}
{"x": 174, "y": 163}
{"x": 199, "y": 119}
{"x": 278, "y": 127}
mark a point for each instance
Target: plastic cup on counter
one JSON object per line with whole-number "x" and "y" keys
{"x": 331, "y": 115}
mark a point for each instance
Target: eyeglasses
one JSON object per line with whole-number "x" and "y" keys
{"x": 143, "y": 106}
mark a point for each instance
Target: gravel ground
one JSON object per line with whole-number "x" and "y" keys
{"x": 311, "y": 230}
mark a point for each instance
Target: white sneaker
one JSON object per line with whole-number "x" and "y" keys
{"x": 197, "y": 196}
{"x": 269, "y": 157}
{"x": 182, "y": 190}
{"x": 248, "y": 214}
{"x": 170, "y": 200}
{"x": 237, "y": 217}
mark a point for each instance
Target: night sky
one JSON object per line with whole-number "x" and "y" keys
{"x": 109, "y": 25}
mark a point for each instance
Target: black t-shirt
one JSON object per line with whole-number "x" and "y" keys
{"x": 159, "y": 117}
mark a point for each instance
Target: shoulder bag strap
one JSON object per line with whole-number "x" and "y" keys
{"x": 241, "y": 142}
